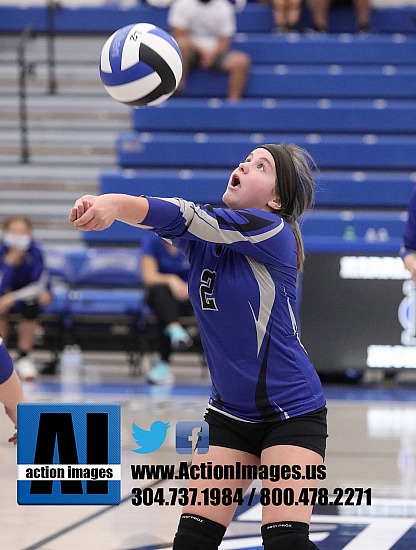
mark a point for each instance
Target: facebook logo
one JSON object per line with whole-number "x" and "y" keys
{"x": 189, "y": 434}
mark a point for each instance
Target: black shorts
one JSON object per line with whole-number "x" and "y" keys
{"x": 217, "y": 66}
{"x": 307, "y": 430}
{"x": 28, "y": 310}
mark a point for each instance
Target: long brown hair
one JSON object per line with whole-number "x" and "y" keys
{"x": 294, "y": 185}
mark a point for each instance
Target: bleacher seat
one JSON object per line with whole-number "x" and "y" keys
{"x": 351, "y": 189}
{"x": 105, "y": 304}
{"x": 328, "y": 49}
{"x": 59, "y": 265}
{"x": 283, "y": 115}
{"x": 256, "y": 17}
{"x": 283, "y": 81}
{"x": 330, "y": 151}
{"x": 113, "y": 267}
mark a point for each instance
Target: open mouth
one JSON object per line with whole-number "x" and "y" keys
{"x": 235, "y": 181}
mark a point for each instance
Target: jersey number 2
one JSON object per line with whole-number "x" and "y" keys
{"x": 206, "y": 290}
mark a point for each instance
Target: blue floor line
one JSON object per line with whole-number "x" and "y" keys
{"x": 332, "y": 392}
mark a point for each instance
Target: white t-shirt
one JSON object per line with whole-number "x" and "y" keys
{"x": 205, "y": 23}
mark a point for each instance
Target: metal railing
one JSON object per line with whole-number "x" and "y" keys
{"x": 26, "y": 35}
{"x": 25, "y": 68}
{"x": 51, "y": 9}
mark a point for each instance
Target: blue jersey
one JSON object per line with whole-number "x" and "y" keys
{"x": 6, "y": 365}
{"x": 167, "y": 262}
{"x": 409, "y": 236}
{"x": 30, "y": 277}
{"x": 242, "y": 285}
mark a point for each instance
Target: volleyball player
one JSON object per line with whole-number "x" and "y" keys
{"x": 11, "y": 392}
{"x": 408, "y": 249}
{"x": 266, "y": 404}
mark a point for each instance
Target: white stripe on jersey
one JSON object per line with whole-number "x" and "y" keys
{"x": 204, "y": 226}
{"x": 267, "y": 296}
{"x": 294, "y": 325}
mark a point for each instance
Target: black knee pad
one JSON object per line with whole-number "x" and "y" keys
{"x": 198, "y": 533}
{"x": 287, "y": 535}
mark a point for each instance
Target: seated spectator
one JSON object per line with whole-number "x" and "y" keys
{"x": 203, "y": 30}
{"x": 408, "y": 250}
{"x": 11, "y": 392}
{"x": 165, "y": 273}
{"x": 320, "y": 10}
{"x": 24, "y": 288}
{"x": 286, "y": 14}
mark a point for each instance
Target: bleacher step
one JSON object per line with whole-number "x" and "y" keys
{"x": 330, "y": 151}
{"x": 286, "y": 115}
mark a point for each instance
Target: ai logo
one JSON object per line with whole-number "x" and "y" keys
{"x": 68, "y": 453}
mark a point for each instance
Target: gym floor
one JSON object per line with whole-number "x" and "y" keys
{"x": 372, "y": 446}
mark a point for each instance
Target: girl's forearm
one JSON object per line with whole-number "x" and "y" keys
{"x": 131, "y": 210}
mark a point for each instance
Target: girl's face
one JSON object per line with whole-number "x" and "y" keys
{"x": 252, "y": 184}
{"x": 17, "y": 235}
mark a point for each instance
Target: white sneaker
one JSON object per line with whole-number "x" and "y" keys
{"x": 161, "y": 374}
{"x": 26, "y": 369}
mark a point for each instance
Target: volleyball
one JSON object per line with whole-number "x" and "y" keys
{"x": 140, "y": 64}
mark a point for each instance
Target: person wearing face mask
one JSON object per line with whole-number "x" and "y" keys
{"x": 24, "y": 288}
{"x": 203, "y": 30}
{"x": 266, "y": 406}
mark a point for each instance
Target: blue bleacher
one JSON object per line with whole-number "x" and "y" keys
{"x": 284, "y": 115}
{"x": 269, "y": 81}
{"x": 330, "y": 151}
{"x": 348, "y": 189}
{"x": 256, "y": 17}
{"x": 349, "y": 99}
{"x": 357, "y": 120}
{"x": 332, "y": 49}
{"x": 98, "y": 288}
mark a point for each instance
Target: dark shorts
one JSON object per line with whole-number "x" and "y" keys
{"x": 28, "y": 310}
{"x": 307, "y": 430}
{"x": 218, "y": 65}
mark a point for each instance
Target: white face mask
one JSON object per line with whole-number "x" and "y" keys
{"x": 21, "y": 242}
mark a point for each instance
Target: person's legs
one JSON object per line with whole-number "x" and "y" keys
{"x": 202, "y": 527}
{"x": 286, "y": 526}
{"x": 293, "y": 13}
{"x": 168, "y": 310}
{"x": 26, "y": 337}
{"x": 169, "y": 332}
{"x": 286, "y": 14}
{"x": 237, "y": 65}
{"x": 363, "y": 11}
{"x": 320, "y": 10}
{"x": 188, "y": 56}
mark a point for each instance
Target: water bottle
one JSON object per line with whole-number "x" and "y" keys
{"x": 71, "y": 368}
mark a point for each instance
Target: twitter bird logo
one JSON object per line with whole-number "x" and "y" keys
{"x": 149, "y": 440}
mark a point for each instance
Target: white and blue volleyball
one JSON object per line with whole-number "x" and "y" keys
{"x": 141, "y": 65}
